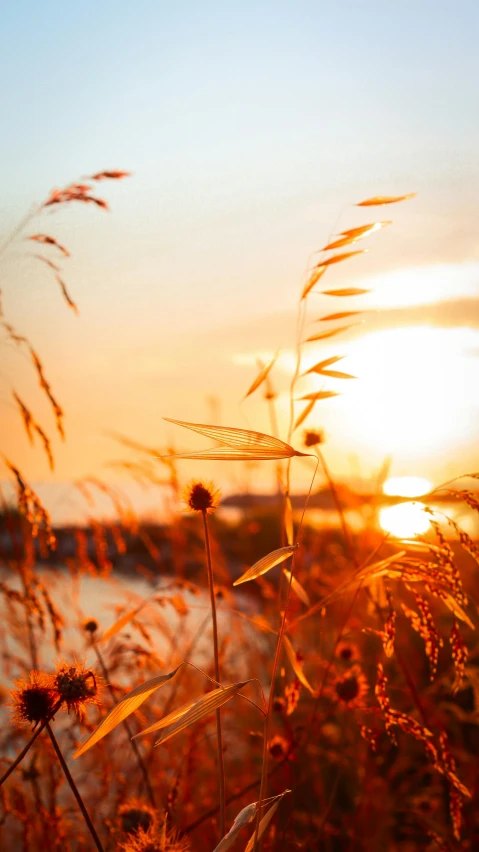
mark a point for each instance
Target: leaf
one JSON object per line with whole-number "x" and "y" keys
{"x": 265, "y": 821}
{"x": 319, "y": 395}
{"x": 318, "y": 368}
{"x": 379, "y": 200}
{"x": 340, "y": 315}
{"x": 297, "y": 588}
{"x": 346, "y": 291}
{"x": 336, "y": 374}
{"x": 192, "y": 711}
{"x": 244, "y": 817}
{"x": 314, "y": 278}
{"x": 124, "y": 708}
{"x": 266, "y": 563}
{"x": 261, "y": 376}
{"x": 290, "y": 653}
{"x": 364, "y": 230}
{"x": 304, "y": 414}
{"x": 324, "y": 334}
{"x": 337, "y": 258}
{"x": 121, "y": 622}
{"x": 239, "y": 443}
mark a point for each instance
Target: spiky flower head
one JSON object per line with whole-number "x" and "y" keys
{"x": 278, "y": 748}
{"x": 201, "y": 497}
{"x": 312, "y": 437}
{"x": 76, "y": 686}
{"x": 90, "y": 625}
{"x": 34, "y": 698}
{"x": 156, "y": 840}
{"x": 351, "y": 687}
{"x": 135, "y": 816}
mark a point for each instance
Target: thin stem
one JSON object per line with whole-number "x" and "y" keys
{"x": 277, "y": 655}
{"x": 28, "y": 746}
{"x": 74, "y": 790}
{"x": 221, "y": 768}
{"x": 127, "y": 728}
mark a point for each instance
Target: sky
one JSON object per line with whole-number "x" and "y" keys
{"x": 250, "y": 130}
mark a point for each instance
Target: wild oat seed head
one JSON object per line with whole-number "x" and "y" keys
{"x": 313, "y": 437}
{"x": 201, "y": 496}
{"x": 33, "y": 698}
{"x": 76, "y": 686}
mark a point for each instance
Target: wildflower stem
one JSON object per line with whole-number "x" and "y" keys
{"x": 28, "y": 746}
{"x": 74, "y": 789}
{"x": 134, "y": 746}
{"x": 221, "y": 768}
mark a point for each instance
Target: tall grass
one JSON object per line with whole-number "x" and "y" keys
{"x": 336, "y": 664}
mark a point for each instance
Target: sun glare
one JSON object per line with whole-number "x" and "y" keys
{"x": 407, "y": 486}
{"x": 404, "y": 520}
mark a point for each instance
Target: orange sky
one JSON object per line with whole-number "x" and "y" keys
{"x": 242, "y": 169}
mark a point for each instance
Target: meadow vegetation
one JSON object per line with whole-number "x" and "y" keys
{"x": 324, "y": 698}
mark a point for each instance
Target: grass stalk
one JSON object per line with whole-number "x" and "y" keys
{"x": 221, "y": 768}
{"x": 75, "y": 790}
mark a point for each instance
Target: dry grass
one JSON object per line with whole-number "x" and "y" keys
{"x": 348, "y": 682}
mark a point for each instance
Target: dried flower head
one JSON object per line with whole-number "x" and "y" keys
{"x": 312, "y": 437}
{"x": 351, "y": 687}
{"x": 90, "y": 625}
{"x": 201, "y": 497}
{"x": 136, "y": 815}
{"x": 278, "y": 748}
{"x": 76, "y": 686}
{"x": 34, "y": 698}
{"x": 347, "y": 652}
{"x": 156, "y": 840}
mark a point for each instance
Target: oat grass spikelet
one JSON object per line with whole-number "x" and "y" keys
{"x": 34, "y": 698}
{"x": 76, "y": 686}
{"x": 201, "y": 497}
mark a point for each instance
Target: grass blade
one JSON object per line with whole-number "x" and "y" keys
{"x": 261, "y": 376}
{"x": 346, "y": 291}
{"x": 265, "y": 821}
{"x": 314, "y": 278}
{"x": 192, "y": 711}
{"x": 124, "y": 708}
{"x": 240, "y": 443}
{"x": 266, "y": 563}
{"x": 291, "y": 655}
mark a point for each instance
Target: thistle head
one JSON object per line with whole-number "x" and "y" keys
{"x": 312, "y": 437}
{"x": 136, "y": 816}
{"x": 76, "y": 686}
{"x": 34, "y": 698}
{"x": 201, "y": 497}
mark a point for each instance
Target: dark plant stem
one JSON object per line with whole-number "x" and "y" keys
{"x": 74, "y": 790}
{"x": 221, "y": 767}
{"x": 127, "y": 728}
{"x": 28, "y": 746}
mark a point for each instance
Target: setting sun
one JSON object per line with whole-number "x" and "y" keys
{"x": 404, "y": 520}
